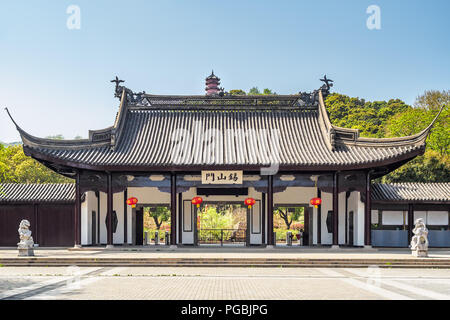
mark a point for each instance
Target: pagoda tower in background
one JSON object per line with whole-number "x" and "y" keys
{"x": 212, "y": 85}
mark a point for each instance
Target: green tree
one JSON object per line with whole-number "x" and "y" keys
{"x": 211, "y": 218}
{"x": 254, "y": 91}
{"x": 433, "y": 99}
{"x": 426, "y": 168}
{"x": 289, "y": 215}
{"x": 56, "y": 137}
{"x": 159, "y": 214}
{"x": 16, "y": 167}
{"x": 237, "y": 92}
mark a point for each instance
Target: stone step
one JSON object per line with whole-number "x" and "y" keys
{"x": 210, "y": 262}
{"x": 255, "y": 265}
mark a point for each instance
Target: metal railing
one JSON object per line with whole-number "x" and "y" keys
{"x": 157, "y": 237}
{"x": 221, "y": 236}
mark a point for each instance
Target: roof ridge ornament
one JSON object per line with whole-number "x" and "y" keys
{"x": 328, "y": 83}
{"x": 130, "y": 95}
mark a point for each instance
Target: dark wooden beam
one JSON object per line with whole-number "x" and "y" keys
{"x": 263, "y": 218}
{"x": 77, "y": 211}
{"x": 335, "y": 209}
{"x": 125, "y": 217}
{"x": 319, "y": 219}
{"x": 173, "y": 209}
{"x": 180, "y": 217}
{"x": 270, "y": 241}
{"x": 109, "y": 211}
{"x": 410, "y": 221}
{"x": 368, "y": 212}
{"x": 97, "y": 194}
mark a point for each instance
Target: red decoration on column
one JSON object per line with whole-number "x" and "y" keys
{"x": 249, "y": 202}
{"x": 132, "y": 202}
{"x": 316, "y": 202}
{"x": 197, "y": 201}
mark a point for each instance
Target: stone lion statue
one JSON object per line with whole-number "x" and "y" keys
{"x": 419, "y": 242}
{"x": 26, "y": 240}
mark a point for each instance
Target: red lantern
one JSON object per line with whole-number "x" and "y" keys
{"x": 249, "y": 202}
{"x": 316, "y": 202}
{"x": 197, "y": 201}
{"x": 132, "y": 202}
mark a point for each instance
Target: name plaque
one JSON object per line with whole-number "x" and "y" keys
{"x": 222, "y": 177}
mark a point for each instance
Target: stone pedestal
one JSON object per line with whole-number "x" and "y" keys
{"x": 25, "y": 252}
{"x": 420, "y": 253}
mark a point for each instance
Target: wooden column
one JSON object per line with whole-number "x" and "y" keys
{"x": 319, "y": 218}
{"x": 368, "y": 213}
{"x": 263, "y": 217}
{"x": 410, "y": 221}
{"x": 173, "y": 209}
{"x": 180, "y": 217}
{"x": 109, "y": 211}
{"x": 97, "y": 194}
{"x": 335, "y": 209}
{"x": 270, "y": 210}
{"x": 77, "y": 231}
{"x": 125, "y": 216}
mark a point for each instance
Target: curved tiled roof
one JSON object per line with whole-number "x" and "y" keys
{"x": 182, "y": 132}
{"x": 34, "y": 192}
{"x": 162, "y": 138}
{"x": 411, "y": 191}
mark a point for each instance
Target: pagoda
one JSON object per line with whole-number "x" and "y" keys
{"x": 212, "y": 85}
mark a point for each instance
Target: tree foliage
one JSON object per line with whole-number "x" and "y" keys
{"x": 159, "y": 215}
{"x": 289, "y": 214}
{"x": 394, "y": 118}
{"x": 16, "y": 167}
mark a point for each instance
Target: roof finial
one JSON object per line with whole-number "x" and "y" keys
{"x": 328, "y": 82}
{"x": 118, "y": 89}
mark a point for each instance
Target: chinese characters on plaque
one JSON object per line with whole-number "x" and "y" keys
{"x": 222, "y": 177}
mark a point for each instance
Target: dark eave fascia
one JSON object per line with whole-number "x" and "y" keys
{"x": 195, "y": 168}
{"x": 387, "y": 201}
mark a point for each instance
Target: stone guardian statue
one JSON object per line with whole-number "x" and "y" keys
{"x": 25, "y": 246}
{"x": 419, "y": 241}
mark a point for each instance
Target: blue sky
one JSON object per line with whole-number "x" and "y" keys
{"x": 56, "y": 81}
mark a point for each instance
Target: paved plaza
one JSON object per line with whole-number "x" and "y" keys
{"x": 278, "y": 252}
{"x": 184, "y": 283}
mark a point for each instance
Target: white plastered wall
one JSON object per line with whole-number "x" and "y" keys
{"x": 89, "y": 205}
{"x": 357, "y": 206}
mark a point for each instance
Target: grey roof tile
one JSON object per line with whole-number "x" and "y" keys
{"x": 411, "y": 191}
{"x": 34, "y": 192}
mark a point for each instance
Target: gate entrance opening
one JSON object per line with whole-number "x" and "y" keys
{"x": 152, "y": 224}
{"x": 222, "y": 224}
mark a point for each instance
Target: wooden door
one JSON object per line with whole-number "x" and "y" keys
{"x": 140, "y": 226}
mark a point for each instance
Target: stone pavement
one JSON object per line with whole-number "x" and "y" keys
{"x": 241, "y": 253}
{"x": 183, "y": 283}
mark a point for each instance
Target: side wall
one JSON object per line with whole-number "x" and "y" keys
{"x": 51, "y": 223}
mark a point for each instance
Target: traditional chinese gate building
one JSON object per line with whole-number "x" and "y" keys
{"x": 276, "y": 149}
